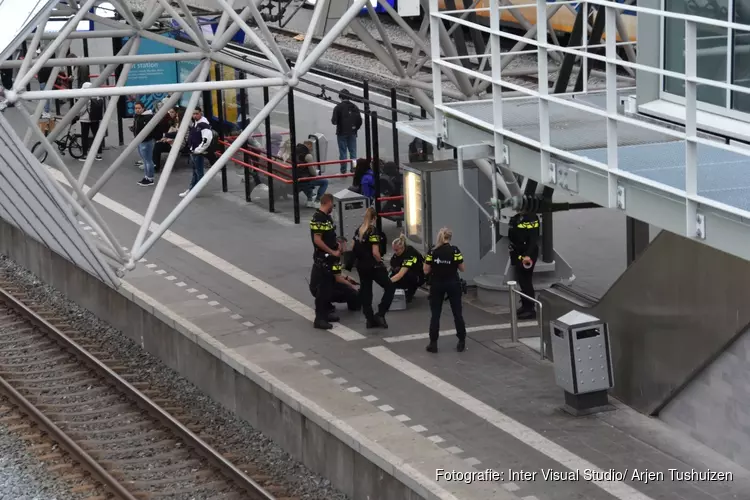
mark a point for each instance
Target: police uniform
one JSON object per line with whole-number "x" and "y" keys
{"x": 370, "y": 271}
{"x": 324, "y": 264}
{"x": 340, "y": 292}
{"x": 523, "y": 234}
{"x": 444, "y": 261}
{"x": 414, "y": 277}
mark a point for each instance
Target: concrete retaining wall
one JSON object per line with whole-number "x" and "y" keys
{"x": 291, "y": 424}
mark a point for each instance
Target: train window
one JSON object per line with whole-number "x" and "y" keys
{"x": 741, "y": 56}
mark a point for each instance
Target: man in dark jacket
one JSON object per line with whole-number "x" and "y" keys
{"x": 146, "y": 148}
{"x": 202, "y": 146}
{"x": 348, "y": 121}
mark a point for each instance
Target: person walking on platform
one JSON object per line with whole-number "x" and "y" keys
{"x": 348, "y": 121}
{"x": 368, "y": 253}
{"x": 523, "y": 235}
{"x": 443, "y": 262}
{"x": 407, "y": 272}
{"x": 326, "y": 256}
{"x": 91, "y": 118}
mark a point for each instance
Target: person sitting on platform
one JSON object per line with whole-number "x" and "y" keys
{"x": 304, "y": 155}
{"x": 364, "y": 179}
{"x": 406, "y": 267}
{"x": 344, "y": 289}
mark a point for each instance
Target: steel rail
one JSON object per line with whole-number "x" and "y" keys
{"x": 255, "y": 491}
{"x": 75, "y": 451}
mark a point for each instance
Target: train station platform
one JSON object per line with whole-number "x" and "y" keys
{"x": 232, "y": 278}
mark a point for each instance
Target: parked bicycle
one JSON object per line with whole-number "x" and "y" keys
{"x": 70, "y": 141}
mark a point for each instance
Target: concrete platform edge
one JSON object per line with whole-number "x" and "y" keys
{"x": 357, "y": 465}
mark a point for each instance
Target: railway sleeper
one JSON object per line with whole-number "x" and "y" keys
{"x": 20, "y": 382}
{"x": 91, "y": 392}
{"x": 100, "y": 402}
{"x": 18, "y": 327}
{"x": 219, "y": 485}
{"x": 11, "y": 342}
{"x": 38, "y": 362}
{"x": 94, "y": 443}
{"x": 38, "y": 390}
{"x": 119, "y": 430}
{"x": 70, "y": 424}
{"x": 200, "y": 475}
{"x": 34, "y": 354}
{"x": 183, "y": 456}
{"x": 174, "y": 467}
{"x": 7, "y": 375}
{"x": 126, "y": 408}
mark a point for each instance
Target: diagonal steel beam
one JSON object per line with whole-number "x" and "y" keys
{"x": 21, "y": 82}
{"x": 173, "y": 154}
{"x": 54, "y": 155}
{"x": 111, "y": 108}
{"x": 193, "y": 24}
{"x": 266, "y": 33}
{"x": 238, "y": 142}
{"x": 31, "y": 51}
{"x": 132, "y": 145}
{"x": 124, "y": 10}
{"x": 319, "y": 8}
{"x": 254, "y": 37}
{"x": 183, "y": 24}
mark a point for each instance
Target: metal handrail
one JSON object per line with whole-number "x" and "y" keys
{"x": 512, "y": 292}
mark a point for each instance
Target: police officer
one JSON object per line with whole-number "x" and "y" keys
{"x": 325, "y": 256}
{"x": 523, "y": 235}
{"x": 406, "y": 267}
{"x": 368, "y": 249}
{"x": 344, "y": 288}
{"x": 443, "y": 262}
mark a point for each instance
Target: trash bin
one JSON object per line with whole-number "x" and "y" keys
{"x": 348, "y": 212}
{"x": 583, "y": 361}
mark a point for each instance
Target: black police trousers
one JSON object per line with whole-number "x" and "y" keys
{"x": 324, "y": 281}
{"x": 409, "y": 283}
{"x": 438, "y": 291}
{"x": 379, "y": 275}
{"x": 524, "y": 277}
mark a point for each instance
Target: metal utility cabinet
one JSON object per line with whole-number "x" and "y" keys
{"x": 583, "y": 361}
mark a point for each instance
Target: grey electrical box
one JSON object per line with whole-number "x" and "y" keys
{"x": 348, "y": 212}
{"x": 582, "y": 356}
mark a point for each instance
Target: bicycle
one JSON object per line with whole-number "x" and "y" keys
{"x": 70, "y": 141}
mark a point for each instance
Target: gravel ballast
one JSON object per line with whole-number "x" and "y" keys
{"x": 23, "y": 476}
{"x": 230, "y": 432}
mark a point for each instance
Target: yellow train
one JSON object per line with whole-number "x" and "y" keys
{"x": 561, "y": 22}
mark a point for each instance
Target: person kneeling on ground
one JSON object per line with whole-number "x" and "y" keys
{"x": 406, "y": 267}
{"x": 344, "y": 289}
{"x": 304, "y": 155}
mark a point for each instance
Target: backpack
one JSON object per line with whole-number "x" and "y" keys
{"x": 96, "y": 109}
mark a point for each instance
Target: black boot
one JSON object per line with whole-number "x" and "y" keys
{"x": 333, "y": 318}
{"x": 381, "y": 320}
{"x": 526, "y": 314}
{"x": 322, "y": 324}
{"x": 432, "y": 346}
{"x": 461, "y": 346}
{"x": 373, "y": 322}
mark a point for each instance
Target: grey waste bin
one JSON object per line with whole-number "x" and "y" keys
{"x": 348, "y": 212}
{"x": 583, "y": 361}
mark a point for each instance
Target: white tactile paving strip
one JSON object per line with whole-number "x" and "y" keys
{"x": 405, "y": 419}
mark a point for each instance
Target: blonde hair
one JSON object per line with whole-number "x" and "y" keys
{"x": 444, "y": 236}
{"x": 368, "y": 222}
{"x": 400, "y": 242}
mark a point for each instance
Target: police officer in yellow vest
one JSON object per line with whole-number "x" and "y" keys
{"x": 523, "y": 235}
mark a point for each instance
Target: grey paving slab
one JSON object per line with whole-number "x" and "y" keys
{"x": 509, "y": 379}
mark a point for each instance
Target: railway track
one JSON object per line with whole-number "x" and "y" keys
{"x": 128, "y": 440}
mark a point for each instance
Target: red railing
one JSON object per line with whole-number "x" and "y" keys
{"x": 286, "y": 166}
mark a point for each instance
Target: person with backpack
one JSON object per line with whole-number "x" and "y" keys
{"x": 203, "y": 142}
{"x": 369, "y": 248}
{"x": 91, "y": 117}
{"x": 406, "y": 267}
{"x": 348, "y": 121}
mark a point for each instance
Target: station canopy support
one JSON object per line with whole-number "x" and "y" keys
{"x": 28, "y": 22}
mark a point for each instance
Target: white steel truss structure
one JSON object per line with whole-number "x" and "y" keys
{"x": 597, "y": 145}
{"x": 283, "y": 78}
